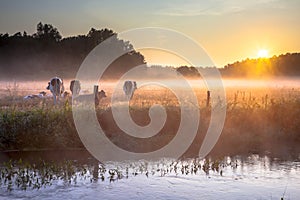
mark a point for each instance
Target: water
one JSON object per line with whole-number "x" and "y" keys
{"x": 239, "y": 177}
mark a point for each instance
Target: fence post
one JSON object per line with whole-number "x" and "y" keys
{"x": 208, "y": 98}
{"x": 96, "y": 88}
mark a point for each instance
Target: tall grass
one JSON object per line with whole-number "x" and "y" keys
{"x": 40, "y": 126}
{"x": 258, "y": 120}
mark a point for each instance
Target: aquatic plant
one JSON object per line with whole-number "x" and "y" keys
{"x": 17, "y": 174}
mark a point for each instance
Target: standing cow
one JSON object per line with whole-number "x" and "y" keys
{"x": 75, "y": 87}
{"x": 56, "y": 87}
{"x": 129, "y": 87}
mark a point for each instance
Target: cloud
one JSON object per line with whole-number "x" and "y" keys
{"x": 208, "y": 7}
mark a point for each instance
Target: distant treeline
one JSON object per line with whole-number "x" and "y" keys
{"x": 45, "y": 54}
{"x": 282, "y": 65}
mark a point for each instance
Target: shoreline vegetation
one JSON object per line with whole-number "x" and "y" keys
{"x": 266, "y": 126}
{"x": 48, "y": 54}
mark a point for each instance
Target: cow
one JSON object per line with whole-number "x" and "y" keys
{"x": 35, "y": 96}
{"x": 56, "y": 87}
{"x": 129, "y": 87}
{"x": 66, "y": 94}
{"x": 75, "y": 87}
{"x": 100, "y": 95}
{"x": 85, "y": 97}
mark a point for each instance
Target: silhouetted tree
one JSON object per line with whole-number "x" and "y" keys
{"x": 188, "y": 71}
{"x": 46, "y": 53}
{"x": 47, "y": 32}
{"x": 283, "y": 65}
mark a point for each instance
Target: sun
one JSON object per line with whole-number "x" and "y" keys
{"x": 262, "y": 53}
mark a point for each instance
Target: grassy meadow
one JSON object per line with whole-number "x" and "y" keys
{"x": 263, "y": 120}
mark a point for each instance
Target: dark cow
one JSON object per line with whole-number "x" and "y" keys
{"x": 75, "y": 87}
{"x": 100, "y": 96}
{"x": 66, "y": 94}
{"x": 85, "y": 97}
{"x": 129, "y": 87}
{"x": 56, "y": 87}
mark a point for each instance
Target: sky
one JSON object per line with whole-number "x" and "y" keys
{"x": 228, "y": 31}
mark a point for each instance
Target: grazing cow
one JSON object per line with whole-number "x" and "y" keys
{"x": 56, "y": 87}
{"x": 129, "y": 87}
{"x": 65, "y": 94}
{"x": 100, "y": 95}
{"x": 75, "y": 87}
{"x": 35, "y": 96}
{"x": 85, "y": 97}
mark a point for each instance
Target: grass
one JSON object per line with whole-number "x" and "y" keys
{"x": 258, "y": 120}
{"x": 259, "y": 128}
{"x": 44, "y": 127}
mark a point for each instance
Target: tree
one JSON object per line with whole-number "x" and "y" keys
{"x": 188, "y": 71}
{"x": 98, "y": 36}
{"x": 47, "y": 32}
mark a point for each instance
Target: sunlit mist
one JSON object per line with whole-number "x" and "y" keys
{"x": 263, "y": 53}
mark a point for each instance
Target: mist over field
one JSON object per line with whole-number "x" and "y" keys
{"x": 21, "y": 87}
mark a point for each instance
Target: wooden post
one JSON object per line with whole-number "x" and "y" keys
{"x": 96, "y": 88}
{"x": 208, "y": 98}
{"x": 266, "y": 101}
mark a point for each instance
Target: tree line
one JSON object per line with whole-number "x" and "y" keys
{"x": 277, "y": 66}
{"x": 46, "y": 53}
{"x": 283, "y": 65}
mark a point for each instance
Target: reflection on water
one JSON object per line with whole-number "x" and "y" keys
{"x": 77, "y": 174}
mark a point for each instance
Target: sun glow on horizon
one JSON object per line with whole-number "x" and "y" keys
{"x": 263, "y": 53}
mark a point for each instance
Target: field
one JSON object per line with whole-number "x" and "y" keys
{"x": 261, "y": 117}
